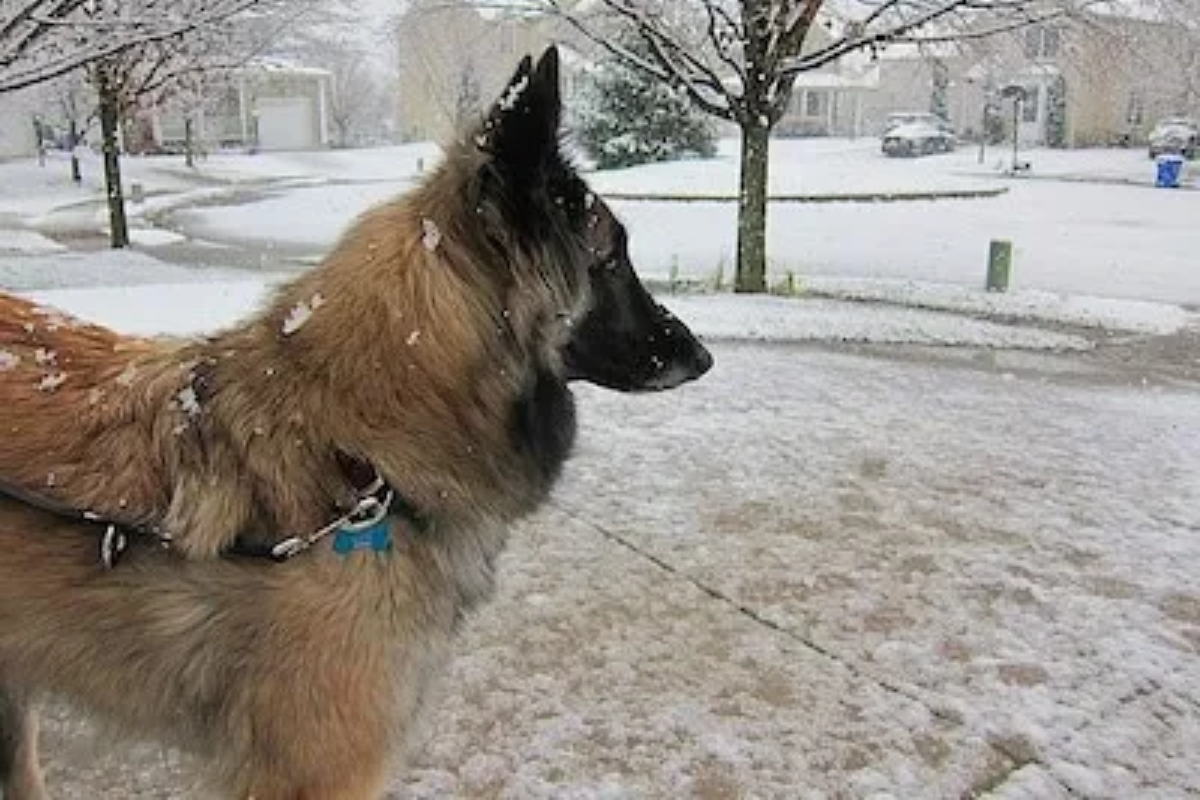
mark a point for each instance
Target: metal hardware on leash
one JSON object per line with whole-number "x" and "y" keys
{"x": 113, "y": 545}
{"x": 368, "y": 511}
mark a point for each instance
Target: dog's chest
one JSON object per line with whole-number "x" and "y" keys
{"x": 471, "y": 558}
{"x": 453, "y": 569}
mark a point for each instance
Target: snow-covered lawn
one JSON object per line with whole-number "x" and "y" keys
{"x": 1123, "y": 238}
{"x": 812, "y": 574}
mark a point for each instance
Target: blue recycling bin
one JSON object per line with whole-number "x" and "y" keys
{"x": 1170, "y": 169}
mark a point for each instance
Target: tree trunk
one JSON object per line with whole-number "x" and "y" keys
{"x": 75, "y": 136}
{"x": 752, "y": 207}
{"x": 110, "y": 124}
{"x": 189, "y": 143}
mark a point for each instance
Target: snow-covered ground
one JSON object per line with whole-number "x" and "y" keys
{"x": 817, "y": 575}
{"x": 1106, "y": 231}
{"x": 812, "y": 574}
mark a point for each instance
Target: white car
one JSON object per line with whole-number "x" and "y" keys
{"x": 917, "y": 134}
{"x": 1180, "y": 135}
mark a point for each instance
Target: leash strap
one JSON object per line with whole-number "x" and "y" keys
{"x": 364, "y": 527}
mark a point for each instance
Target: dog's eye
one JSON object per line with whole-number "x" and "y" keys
{"x": 606, "y": 264}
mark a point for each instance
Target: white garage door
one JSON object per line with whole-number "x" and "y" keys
{"x": 285, "y": 123}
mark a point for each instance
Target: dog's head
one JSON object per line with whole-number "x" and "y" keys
{"x": 573, "y": 279}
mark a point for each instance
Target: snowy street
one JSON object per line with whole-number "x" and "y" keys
{"x": 907, "y": 540}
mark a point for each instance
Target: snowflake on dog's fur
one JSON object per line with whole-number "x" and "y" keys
{"x": 127, "y": 375}
{"x": 301, "y": 313}
{"x": 45, "y": 357}
{"x": 189, "y": 402}
{"x": 8, "y": 360}
{"x": 52, "y": 381}
{"x": 513, "y": 94}
{"x": 431, "y": 237}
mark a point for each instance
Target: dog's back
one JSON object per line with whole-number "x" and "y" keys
{"x": 63, "y": 394}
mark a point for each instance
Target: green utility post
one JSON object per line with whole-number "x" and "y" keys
{"x": 999, "y": 265}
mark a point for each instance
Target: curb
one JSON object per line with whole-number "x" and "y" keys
{"x": 863, "y": 197}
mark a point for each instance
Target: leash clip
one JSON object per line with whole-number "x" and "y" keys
{"x": 113, "y": 545}
{"x": 292, "y": 546}
{"x": 368, "y": 512}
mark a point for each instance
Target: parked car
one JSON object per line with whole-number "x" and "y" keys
{"x": 1179, "y": 135}
{"x": 917, "y": 133}
{"x": 897, "y": 118}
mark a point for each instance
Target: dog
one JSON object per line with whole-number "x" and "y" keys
{"x": 257, "y": 546}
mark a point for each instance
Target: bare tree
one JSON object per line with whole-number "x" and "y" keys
{"x": 43, "y": 39}
{"x": 133, "y": 53}
{"x": 738, "y": 60}
{"x": 143, "y": 74}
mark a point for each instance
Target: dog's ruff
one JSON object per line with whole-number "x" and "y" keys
{"x": 434, "y": 343}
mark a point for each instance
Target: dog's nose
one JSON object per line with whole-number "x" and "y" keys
{"x": 704, "y": 360}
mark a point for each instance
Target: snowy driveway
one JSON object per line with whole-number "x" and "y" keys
{"x": 816, "y": 574}
{"x": 822, "y": 575}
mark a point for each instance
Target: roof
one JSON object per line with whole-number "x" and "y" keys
{"x": 281, "y": 66}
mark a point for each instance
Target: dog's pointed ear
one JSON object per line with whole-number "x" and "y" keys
{"x": 521, "y": 130}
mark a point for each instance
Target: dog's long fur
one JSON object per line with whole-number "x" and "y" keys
{"x": 434, "y": 344}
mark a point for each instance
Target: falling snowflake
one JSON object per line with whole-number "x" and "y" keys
{"x": 8, "y": 360}
{"x": 301, "y": 313}
{"x": 52, "y": 381}
{"x": 412, "y": 338}
{"x": 431, "y": 237}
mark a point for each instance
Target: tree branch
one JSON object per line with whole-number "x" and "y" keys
{"x": 120, "y": 37}
{"x": 662, "y": 66}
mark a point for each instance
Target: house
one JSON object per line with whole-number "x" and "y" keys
{"x": 830, "y": 102}
{"x": 833, "y": 99}
{"x": 1103, "y": 79}
{"x": 266, "y": 105}
{"x": 454, "y": 57}
{"x": 853, "y": 96}
{"x": 918, "y": 78}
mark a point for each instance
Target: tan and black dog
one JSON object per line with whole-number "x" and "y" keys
{"x": 304, "y": 506}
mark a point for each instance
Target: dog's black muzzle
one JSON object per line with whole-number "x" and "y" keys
{"x": 630, "y": 343}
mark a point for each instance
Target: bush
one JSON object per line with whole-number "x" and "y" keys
{"x": 629, "y": 118}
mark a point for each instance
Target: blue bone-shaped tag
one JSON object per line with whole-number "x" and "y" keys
{"x": 376, "y": 537}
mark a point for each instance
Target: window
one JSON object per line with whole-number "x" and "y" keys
{"x": 1043, "y": 42}
{"x": 814, "y": 104}
{"x": 1031, "y": 106}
